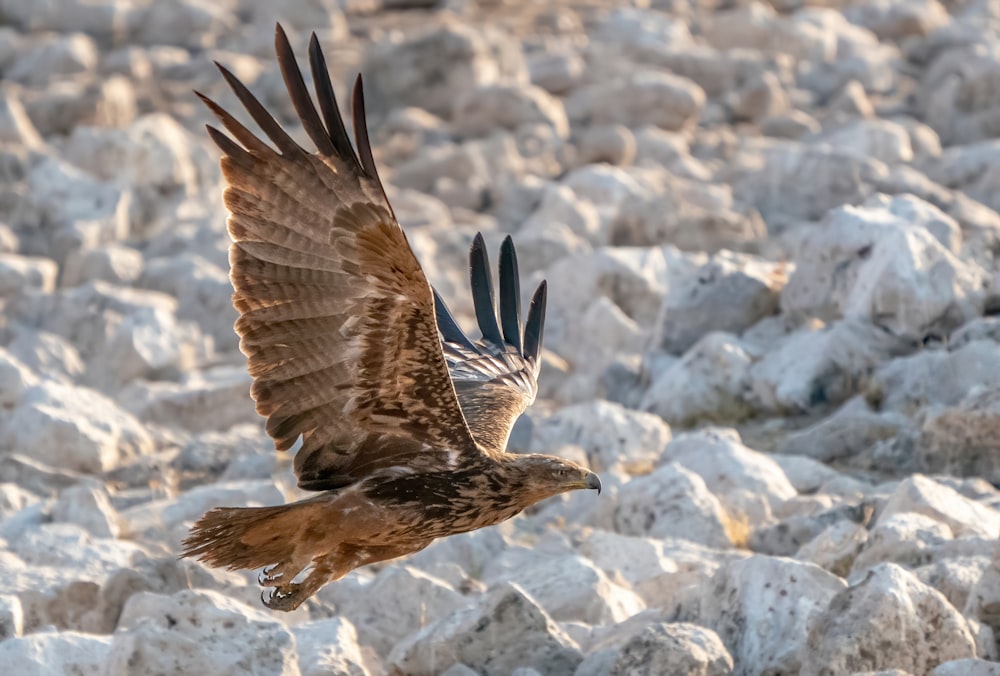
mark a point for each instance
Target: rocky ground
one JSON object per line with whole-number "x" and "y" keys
{"x": 770, "y": 234}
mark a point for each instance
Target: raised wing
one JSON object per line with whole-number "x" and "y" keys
{"x": 495, "y": 377}
{"x": 336, "y": 316}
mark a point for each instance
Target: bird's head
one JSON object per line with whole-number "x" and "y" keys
{"x": 542, "y": 476}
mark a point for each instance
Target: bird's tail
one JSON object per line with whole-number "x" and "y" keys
{"x": 244, "y": 537}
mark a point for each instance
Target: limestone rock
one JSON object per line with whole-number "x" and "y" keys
{"x": 671, "y": 502}
{"x": 784, "y": 595}
{"x": 51, "y": 653}
{"x": 889, "y": 620}
{"x": 509, "y": 630}
{"x": 748, "y": 484}
{"x": 430, "y": 69}
{"x": 198, "y": 630}
{"x": 73, "y": 427}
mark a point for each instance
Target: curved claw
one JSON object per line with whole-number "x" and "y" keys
{"x": 281, "y": 598}
{"x": 266, "y": 579}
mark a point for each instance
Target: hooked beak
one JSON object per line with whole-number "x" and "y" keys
{"x": 593, "y": 481}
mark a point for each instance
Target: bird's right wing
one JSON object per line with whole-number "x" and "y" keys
{"x": 495, "y": 377}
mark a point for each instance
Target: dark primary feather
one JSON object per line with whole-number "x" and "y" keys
{"x": 337, "y": 319}
{"x": 510, "y": 294}
{"x": 496, "y": 377}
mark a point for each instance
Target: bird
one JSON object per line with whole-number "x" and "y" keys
{"x": 403, "y": 419}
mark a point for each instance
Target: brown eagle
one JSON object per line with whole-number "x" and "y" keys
{"x": 403, "y": 419}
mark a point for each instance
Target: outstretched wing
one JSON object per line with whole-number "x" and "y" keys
{"x": 495, "y": 377}
{"x": 336, "y": 316}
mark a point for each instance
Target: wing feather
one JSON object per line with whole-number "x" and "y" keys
{"x": 495, "y": 378}
{"x": 337, "y": 319}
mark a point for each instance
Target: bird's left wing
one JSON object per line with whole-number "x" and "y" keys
{"x": 336, "y": 316}
{"x": 495, "y": 377}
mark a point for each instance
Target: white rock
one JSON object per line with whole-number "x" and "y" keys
{"x": 836, "y": 548}
{"x": 15, "y": 377}
{"x": 73, "y": 427}
{"x": 608, "y": 189}
{"x": 731, "y": 292}
{"x": 430, "y": 69}
{"x": 782, "y": 595}
{"x": 81, "y": 211}
{"x": 793, "y": 124}
{"x": 331, "y": 647}
{"x": 890, "y": 620}
{"x": 671, "y": 502}
{"x": 560, "y": 204}
{"x": 11, "y": 617}
{"x": 482, "y": 111}
{"x": 154, "y": 152}
{"x": 801, "y": 526}
{"x": 508, "y": 630}
{"x": 614, "y": 144}
{"x": 610, "y": 434}
{"x": 897, "y": 19}
{"x": 639, "y": 31}
{"x": 198, "y": 631}
{"x": 213, "y": 399}
{"x": 747, "y": 483}
{"x": 52, "y": 57}
{"x": 935, "y": 377}
{"x": 820, "y": 365}
{"x": 113, "y": 263}
{"x": 664, "y": 573}
{"x": 920, "y": 213}
{"x": 15, "y": 125}
{"x": 570, "y": 588}
{"x": 883, "y": 140}
{"x": 710, "y": 382}
{"x": 805, "y": 474}
{"x": 851, "y": 430}
{"x": 181, "y": 22}
{"x": 47, "y": 353}
{"x": 634, "y": 278}
{"x": 659, "y": 647}
{"x": 51, "y": 653}
{"x": 556, "y": 72}
{"x": 687, "y": 212}
{"x": 400, "y": 601}
{"x": 203, "y": 292}
{"x": 88, "y": 507}
{"x": 968, "y": 667}
{"x": 922, "y": 495}
{"x": 757, "y": 26}
{"x": 870, "y": 264}
{"x": 905, "y": 538}
{"x": 962, "y": 440}
{"x": 640, "y": 98}
{"x": 954, "y": 577}
{"x": 828, "y": 178}
{"x": 21, "y": 274}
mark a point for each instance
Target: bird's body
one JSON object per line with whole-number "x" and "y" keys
{"x": 403, "y": 420}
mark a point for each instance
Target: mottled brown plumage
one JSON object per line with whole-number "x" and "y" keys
{"x": 403, "y": 420}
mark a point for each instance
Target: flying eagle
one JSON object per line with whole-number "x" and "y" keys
{"x": 403, "y": 419}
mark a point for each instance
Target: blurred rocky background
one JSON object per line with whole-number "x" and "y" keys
{"x": 770, "y": 234}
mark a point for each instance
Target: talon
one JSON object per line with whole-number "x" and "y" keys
{"x": 266, "y": 579}
{"x": 281, "y": 598}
